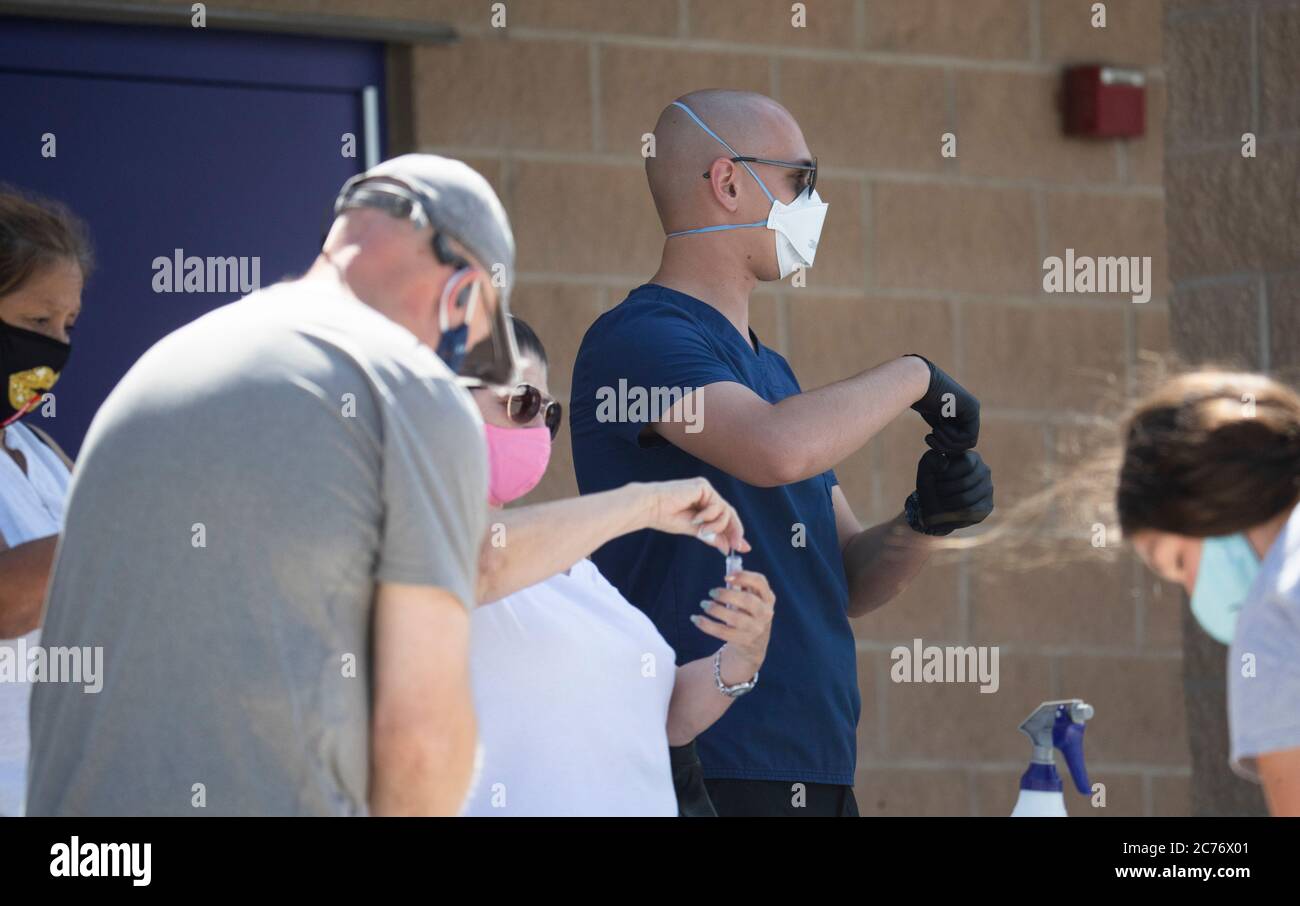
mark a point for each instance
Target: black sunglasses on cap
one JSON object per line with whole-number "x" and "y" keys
{"x": 526, "y": 401}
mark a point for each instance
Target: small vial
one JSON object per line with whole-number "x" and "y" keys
{"x": 733, "y": 564}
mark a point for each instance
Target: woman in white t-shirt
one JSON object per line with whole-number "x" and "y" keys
{"x": 577, "y": 695}
{"x": 44, "y": 259}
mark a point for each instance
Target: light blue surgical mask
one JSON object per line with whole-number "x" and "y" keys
{"x": 1223, "y": 580}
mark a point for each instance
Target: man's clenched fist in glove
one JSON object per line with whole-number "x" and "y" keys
{"x": 953, "y": 491}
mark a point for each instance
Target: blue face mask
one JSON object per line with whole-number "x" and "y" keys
{"x": 451, "y": 348}
{"x": 1223, "y": 580}
{"x": 452, "y": 345}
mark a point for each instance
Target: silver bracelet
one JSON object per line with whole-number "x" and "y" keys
{"x": 731, "y": 691}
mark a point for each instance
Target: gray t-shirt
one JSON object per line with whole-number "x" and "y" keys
{"x": 1264, "y": 659}
{"x": 237, "y": 499}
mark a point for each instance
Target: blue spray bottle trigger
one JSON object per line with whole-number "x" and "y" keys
{"x": 1067, "y": 735}
{"x": 1056, "y": 725}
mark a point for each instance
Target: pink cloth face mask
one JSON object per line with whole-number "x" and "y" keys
{"x": 517, "y": 460}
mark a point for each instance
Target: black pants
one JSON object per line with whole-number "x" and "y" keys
{"x": 688, "y": 781}
{"x": 781, "y": 798}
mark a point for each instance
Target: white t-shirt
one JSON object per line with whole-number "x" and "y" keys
{"x": 1264, "y": 659}
{"x": 31, "y": 507}
{"x": 571, "y": 690}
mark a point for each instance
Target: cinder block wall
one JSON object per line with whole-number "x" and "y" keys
{"x": 920, "y": 253}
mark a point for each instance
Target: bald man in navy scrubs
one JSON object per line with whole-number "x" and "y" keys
{"x": 735, "y": 187}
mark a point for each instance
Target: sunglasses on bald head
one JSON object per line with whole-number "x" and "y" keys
{"x": 807, "y": 183}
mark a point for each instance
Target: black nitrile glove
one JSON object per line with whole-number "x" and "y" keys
{"x": 953, "y": 491}
{"x": 950, "y": 410}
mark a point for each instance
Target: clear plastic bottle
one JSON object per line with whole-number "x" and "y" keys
{"x": 734, "y": 565}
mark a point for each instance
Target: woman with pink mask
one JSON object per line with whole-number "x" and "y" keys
{"x": 577, "y": 695}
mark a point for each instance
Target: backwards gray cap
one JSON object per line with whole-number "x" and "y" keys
{"x": 457, "y": 201}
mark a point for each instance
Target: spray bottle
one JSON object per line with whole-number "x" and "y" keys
{"x": 1057, "y": 724}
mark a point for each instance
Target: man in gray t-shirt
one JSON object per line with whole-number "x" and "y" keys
{"x": 273, "y": 533}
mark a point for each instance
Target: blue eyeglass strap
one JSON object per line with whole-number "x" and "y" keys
{"x": 719, "y": 227}
{"x": 734, "y": 153}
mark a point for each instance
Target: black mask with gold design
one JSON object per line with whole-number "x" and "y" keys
{"x": 30, "y": 363}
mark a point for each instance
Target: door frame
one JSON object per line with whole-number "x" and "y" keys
{"x": 400, "y": 38}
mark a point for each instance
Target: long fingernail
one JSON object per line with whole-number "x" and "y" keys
{"x": 714, "y": 592}
{"x": 695, "y": 618}
{"x": 707, "y": 537}
{"x": 705, "y": 605}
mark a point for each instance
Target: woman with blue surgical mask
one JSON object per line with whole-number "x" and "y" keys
{"x": 1207, "y": 494}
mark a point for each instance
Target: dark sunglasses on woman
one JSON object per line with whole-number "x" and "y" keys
{"x": 526, "y": 401}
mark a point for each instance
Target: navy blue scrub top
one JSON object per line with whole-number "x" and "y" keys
{"x": 800, "y": 723}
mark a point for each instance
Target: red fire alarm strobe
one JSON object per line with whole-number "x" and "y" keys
{"x": 1105, "y": 102}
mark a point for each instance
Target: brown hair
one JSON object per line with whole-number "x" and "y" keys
{"x": 34, "y": 233}
{"x": 1204, "y": 452}
{"x": 1210, "y": 453}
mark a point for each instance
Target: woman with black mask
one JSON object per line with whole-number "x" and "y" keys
{"x": 44, "y": 261}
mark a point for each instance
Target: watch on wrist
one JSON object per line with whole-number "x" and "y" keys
{"x": 912, "y": 513}
{"x": 738, "y": 689}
